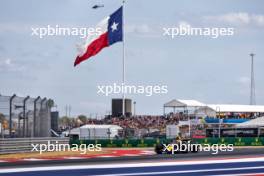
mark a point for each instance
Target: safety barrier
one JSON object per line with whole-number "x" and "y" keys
{"x": 18, "y": 145}
{"x": 152, "y": 142}
{"x": 238, "y": 141}
{"x": 122, "y": 142}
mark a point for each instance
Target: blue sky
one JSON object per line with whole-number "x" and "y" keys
{"x": 202, "y": 68}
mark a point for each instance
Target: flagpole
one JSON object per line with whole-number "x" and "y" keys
{"x": 124, "y": 68}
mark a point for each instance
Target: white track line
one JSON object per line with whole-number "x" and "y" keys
{"x": 130, "y": 165}
{"x": 249, "y": 174}
{"x": 34, "y": 159}
{"x": 105, "y": 156}
{"x": 146, "y": 152}
{"x": 180, "y": 172}
{"x": 131, "y": 155}
{"x": 73, "y": 157}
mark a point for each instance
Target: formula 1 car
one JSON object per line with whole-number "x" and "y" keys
{"x": 177, "y": 146}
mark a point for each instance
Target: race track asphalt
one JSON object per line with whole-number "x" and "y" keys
{"x": 240, "y": 161}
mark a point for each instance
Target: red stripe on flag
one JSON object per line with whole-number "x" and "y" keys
{"x": 93, "y": 48}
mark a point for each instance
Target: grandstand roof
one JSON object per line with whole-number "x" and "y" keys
{"x": 100, "y": 126}
{"x": 235, "y": 108}
{"x": 184, "y": 103}
{"x": 212, "y": 108}
{"x": 258, "y": 122}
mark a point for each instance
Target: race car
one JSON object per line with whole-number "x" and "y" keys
{"x": 177, "y": 146}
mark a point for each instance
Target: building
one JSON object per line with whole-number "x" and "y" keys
{"x": 117, "y": 107}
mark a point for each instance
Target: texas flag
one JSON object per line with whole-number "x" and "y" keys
{"x": 112, "y": 32}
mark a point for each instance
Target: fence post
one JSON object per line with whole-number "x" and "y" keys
{"x": 10, "y": 114}
{"x": 24, "y": 115}
{"x": 34, "y": 117}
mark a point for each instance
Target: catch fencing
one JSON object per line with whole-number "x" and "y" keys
{"x": 26, "y": 116}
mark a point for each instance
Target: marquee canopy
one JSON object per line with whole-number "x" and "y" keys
{"x": 212, "y": 109}
{"x": 184, "y": 103}
{"x": 236, "y": 108}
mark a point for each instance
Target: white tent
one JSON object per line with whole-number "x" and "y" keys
{"x": 183, "y": 103}
{"x": 96, "y": 131}
{"x": 258, "y": 122}
{"x": 205, "y": 111}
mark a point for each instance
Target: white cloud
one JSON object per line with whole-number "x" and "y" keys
{"x": 244, "y": 80}
{"x": 8, "y": 65}
{"x": 8, "y": 61}
{"x": 258, "y": 19}
{"x": 18, "y": 28}
{"x": 143, "y": 30}
{"x": 4, "y": 62}
{"x": 184, "y": 24}
{"x": 239, "y": 18}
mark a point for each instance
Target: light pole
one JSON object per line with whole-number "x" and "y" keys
{"x": 219, "y": 121}
{"x": 124, "y": 63}
{"x": 252, "y": 82}
{"x": 134, "y": 108}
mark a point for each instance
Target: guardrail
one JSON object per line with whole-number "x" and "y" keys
{"x": 18, "y": 145}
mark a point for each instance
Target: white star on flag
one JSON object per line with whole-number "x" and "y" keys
{"x": 114, "y": 26}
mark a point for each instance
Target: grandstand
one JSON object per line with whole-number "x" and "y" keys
{"x": 216, "y": 119}
{"x": 196, "y": 108}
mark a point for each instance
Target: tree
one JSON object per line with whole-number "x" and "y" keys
{"x": 2, "y": 118}
{"x": 3, "y": 121}
{"x": 82, "y": 118}
{"x": 64, "y": 121}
